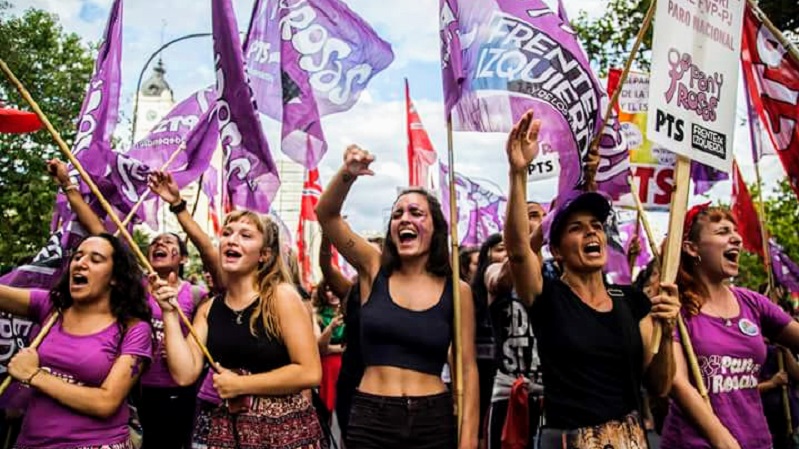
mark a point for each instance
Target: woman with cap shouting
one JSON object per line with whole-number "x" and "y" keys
{"x": 726, "y": 325}
{"x": 594, "y": 339}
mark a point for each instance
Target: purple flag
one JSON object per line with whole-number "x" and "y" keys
{"x": 786, "y": 271}
{"x": 481, "y": 212}
{"x": 620, "y": 233}
{"x": 308, "y": 59}
{"x": 517, "y": 55}
{"x": 705, "y": 177}
{"x": 250, "y": 172}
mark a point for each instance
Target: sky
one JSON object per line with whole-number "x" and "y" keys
{"x": 376, "y": 123}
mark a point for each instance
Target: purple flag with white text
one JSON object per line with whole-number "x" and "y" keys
{"x": 308, "y": 59}
{"x": 516, "y": 55}
{"x": 481, "y": 212}
{"x": 786, "y": 271}
{"x": 250, "y": 173}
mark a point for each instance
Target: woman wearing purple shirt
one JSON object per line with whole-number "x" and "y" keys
{"x": 166, "y": 410}
{"x": 727, "y": 326}
{"x": 87, "y": 364}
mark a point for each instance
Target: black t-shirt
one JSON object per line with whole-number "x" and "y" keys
{"x": 516, "y": 346}
{"x": 591, "y": 361}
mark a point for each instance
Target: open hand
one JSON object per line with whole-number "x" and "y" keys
{"x": 522, "y": 146}
{"x": 162, "y": 184}
{"x": 357, "y": 161}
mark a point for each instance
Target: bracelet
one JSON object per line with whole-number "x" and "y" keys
{"x": 30, "y": 379}
{"x": 178, "y": 208}
{"x": 66, "y": 189}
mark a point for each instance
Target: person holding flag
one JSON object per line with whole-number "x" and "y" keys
{"x": 407, "y": 316}
{"x": 594, "y": 340}
{"x": 727, "y": 326}
{"x": 90, "y": 360}
{"x": 166, "y": 410}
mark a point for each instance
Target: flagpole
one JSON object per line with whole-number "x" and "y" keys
{"x": 685, "y": 337}
{"x": 34, "y": 344}
{"x": 146, "y": 193}
{"x": 456, "y": 296}
{"x": 592, "y": 160}
{"x": 96, "y": 192}
{"x": 774, "y": 30}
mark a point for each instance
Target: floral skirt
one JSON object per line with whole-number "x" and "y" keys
{"x": 626, "y": 433}
{"x": 274, "y": 422}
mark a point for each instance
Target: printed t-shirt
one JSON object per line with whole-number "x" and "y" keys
{"x": 82, "y": 360}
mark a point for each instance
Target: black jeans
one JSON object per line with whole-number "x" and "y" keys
{"x": 379, "y": 422}
{"x": 167, "y": 417}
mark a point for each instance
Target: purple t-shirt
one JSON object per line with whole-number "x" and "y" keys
{"x": 158, "y": 373}
{"x": 730, "y": 354}
{"x": 83, "y": 360}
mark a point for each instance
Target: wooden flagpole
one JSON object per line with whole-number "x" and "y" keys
{"x": 685, "y": 337}
{"x": 456, "y": 295}
{"x": 146, "y": 193}
{"x": 34, "y": 344}
{"x": 96, "y": 192}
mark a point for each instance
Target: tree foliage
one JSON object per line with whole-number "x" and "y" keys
{"x": 782, "y": 214}
{"x": 609, "y": 38}
{"x": 55, "y": 67}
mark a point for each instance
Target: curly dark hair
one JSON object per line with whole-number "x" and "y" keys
{"x": 128, "y": 296}
{"x": 438, "y": 263}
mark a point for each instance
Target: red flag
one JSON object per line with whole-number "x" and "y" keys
{"x": 743, "y": 209}
{"x": 14, "y": 121}
{"x": 421, "y": 154}
{"x": 772, "y": 80}
{"x": 311, "y": 190}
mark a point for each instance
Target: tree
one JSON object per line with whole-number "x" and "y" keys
{"x": 609, "y": 38}
{"x": 782, "y": 213}
{"x": 55, "y": 67}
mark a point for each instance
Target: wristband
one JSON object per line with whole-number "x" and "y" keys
{"x": 30, "y": 379}
{"x": 178, "y": 208}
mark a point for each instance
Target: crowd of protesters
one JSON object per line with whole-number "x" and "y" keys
{"x": 551, "y": 355}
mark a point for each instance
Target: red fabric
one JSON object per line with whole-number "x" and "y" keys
{"x": 614, "y": 76}
{"x": 17, "y": 122}
{"x": 311, "y": 190}
{"x": 331, "y": 366}
{"x": 690, "y": 216}
{"x": 516, "y": 431}
{"x": 743, "y": 209}
{"x": 772, "y": 80}
{"x": 421, "y": 153}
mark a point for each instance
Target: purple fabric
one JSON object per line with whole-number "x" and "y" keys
{"x": 730, "y": 358}
{"x": 192, "y": 123}
{"x": 786, "y": 271}
{"x": 157, "y": 374}
{"x": 480, "y": 211}
{"x": 517, "y": 55}
{"x": 82, "y": 360}
{"x": 620, "y": 238}
{"x": 308, "y": 59}
{"x": 250, "y": 172}
{"x": 705, "y": 177}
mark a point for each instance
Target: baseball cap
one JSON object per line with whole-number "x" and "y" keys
{"x": 597, "y": 203}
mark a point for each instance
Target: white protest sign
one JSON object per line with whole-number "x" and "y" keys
{"x": 694, "y": 82}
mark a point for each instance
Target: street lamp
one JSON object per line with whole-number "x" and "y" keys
{"x": 144, "y": 68}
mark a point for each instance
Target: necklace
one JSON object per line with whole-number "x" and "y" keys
{"x": 240, "y": 313}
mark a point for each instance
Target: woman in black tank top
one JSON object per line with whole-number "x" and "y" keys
{"x": 406, "y": 322}
{"x": 259, "y": 334}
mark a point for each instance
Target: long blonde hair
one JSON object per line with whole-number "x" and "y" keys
{"x": 270, "y": 274}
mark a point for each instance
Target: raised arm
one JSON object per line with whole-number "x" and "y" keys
{"x": 498, "y": 280}
{"x": 525, "y": 265}
{"x": 86, "y": 216}
{"x": 339, "y": 284}
{"x": 15, "y": 300}
{"x": 305, "y": 369}
{"x": 162, "y": 184}
{"x": 352, "y": 246}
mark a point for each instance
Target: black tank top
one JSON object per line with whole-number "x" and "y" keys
{"x": 395, "y": 336}
{"x": 516, "y": 346}
{"x": 234, "y": 347}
